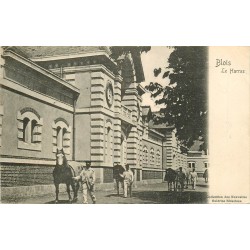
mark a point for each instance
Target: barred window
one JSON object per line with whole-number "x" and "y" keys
{"x": 29, "y": 129}
{"x": 145, "y": 155}
{"x": 191, "y": 164}
{"x": 152, "y": 156}
{"x": 61, "y": 135}
{"x": 158, "y": 158}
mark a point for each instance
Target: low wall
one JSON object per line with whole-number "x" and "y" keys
{"x": 42, "y": 190}
{"x": 21, "y": 181}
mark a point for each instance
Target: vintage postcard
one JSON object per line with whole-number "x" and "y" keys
{"x": 124, "y": 125}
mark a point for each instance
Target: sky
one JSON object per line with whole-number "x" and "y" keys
{"x": 156, "y": 58}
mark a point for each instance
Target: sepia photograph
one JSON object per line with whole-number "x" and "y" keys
{"x": 104, "y": 124}
{"x": 124, "y": 125}
{"x": 99, "y": 124}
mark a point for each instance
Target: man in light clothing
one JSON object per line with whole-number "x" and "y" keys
{"x": 87, "y": 177}
{"x": 188, "y": 170}
{"x": 194, "y": 178}
{"x": 128, "y": 180}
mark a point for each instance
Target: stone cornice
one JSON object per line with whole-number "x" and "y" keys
{"x": 35, "y": 95}
{"x": 156, "y": 132}
{"x": 153, "y": 169}
{"x": 98, "y": 67}
{"x": 118, "y": 78}
{"x": 71, "y": 56}
{"x": 39, "y": 69}
{"x": 151, "y": 141}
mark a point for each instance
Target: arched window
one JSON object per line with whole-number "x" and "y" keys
{"x": 29, "y": 129}
{"x": 145, "y": 156}
{"x": 152, "y": 156}
{"x": 26, "y": 123}
{"x": 61, "y": 135}
{"x": 34, "y": 131}
{"x": 158, "y": 158}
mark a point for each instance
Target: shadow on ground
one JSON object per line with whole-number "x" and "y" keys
{"x": 202, "y": 185}
{"x": 59, "y": 202}
{"x": 166, "y": 197}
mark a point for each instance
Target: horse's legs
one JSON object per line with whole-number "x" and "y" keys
{"x": 57, "y": 191}
{"x": 122, "y": 184}
{"x": 117, "y": 187}
{"x": 68, "y": 191}
{"x": 74, "y": 190}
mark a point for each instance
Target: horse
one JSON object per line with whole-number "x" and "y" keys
{"x": 63, "y": 173}
{"x": 118, "y": 171}
{"x": 171, "y": 178}
{"x": 205, "y": 175}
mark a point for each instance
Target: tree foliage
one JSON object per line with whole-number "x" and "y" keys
{"x": 117, "y": 51}
{"x": 185, "y": 97}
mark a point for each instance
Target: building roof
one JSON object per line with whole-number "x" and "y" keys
{"x": 151, "y": 124}
{"x": 141, "y": 89}
{"x": 12, "y": 54}
{"x": 146, "y": 110}
{"x": 36, "y": 52}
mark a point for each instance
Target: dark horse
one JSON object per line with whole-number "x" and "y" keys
{"x": 118, "y": 171}
{"x": 171, "y": 178}
{"x": 63, "y": 173}
{"x": 205, "y": 175}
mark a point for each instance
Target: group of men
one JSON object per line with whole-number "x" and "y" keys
{"x": 87, "y": 178}
{"x": 187, "y": 176}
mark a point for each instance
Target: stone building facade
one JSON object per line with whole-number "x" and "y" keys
{"x": 78, "y": 99}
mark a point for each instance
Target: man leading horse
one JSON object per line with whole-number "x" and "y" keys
{"x": 63, "y": 173}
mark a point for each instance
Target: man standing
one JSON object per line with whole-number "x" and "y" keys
{"x": 194, "y": 178}
{"x": 87, "y": 177}
{"x": 181, "y": 178}
{"x": 188, "y": 170}
{"x": 128, "y": 180}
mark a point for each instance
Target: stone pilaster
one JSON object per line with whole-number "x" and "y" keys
{"x": 2, "y": 62}
{"x": 168, "y": 150}
{"x": 97, "y": 137}
{"x": 97, "y": 89}
{"x": 117, "y": 121}
{"x": 130, "y": 100}
{"x": 1, "y": 122}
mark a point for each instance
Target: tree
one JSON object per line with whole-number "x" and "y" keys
{"x": 185, "y": 98}
{"x": 117, "y": 51}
